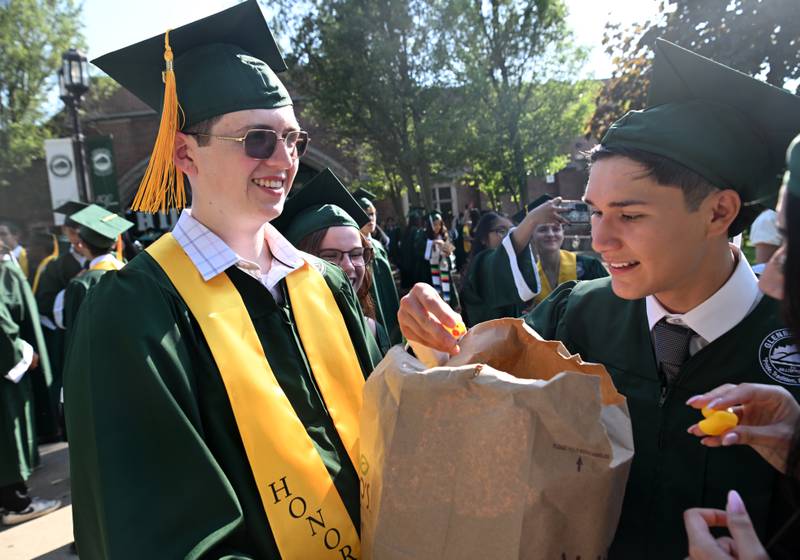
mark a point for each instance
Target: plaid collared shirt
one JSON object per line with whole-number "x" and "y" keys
{"x": 212, "y": 256}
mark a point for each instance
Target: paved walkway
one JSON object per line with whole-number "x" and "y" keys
{"x": 48, "y": 537}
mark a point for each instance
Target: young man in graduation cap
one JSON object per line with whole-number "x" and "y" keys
{"x": 681, "y": 313}
{"x": 384, "y": 288}
{"x": 98, "y": 233}
{"x": 213, "y": 385}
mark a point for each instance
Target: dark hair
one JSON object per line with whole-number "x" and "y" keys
{"x": 97, "y": 250}
{"x": 203, "y": 127}
{"x": 312, "y": 242}
{"x": 480, "y": 239}
{"x": 665, "y": 171}
{"x": 430, "y": 234}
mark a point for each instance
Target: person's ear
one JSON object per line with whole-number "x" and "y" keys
{"x": 722, "y": 208}
{"x": 183, "y": 156}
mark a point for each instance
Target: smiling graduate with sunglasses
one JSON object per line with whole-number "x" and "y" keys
{"x": 214, "y": 412}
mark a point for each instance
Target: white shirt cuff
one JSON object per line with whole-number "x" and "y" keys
{"x": 524, "y": 291}
{"x": 16, "y": 373}
{"x": 58, "y": 309}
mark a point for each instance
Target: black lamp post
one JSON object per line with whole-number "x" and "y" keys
{"x": 73, "y": 83}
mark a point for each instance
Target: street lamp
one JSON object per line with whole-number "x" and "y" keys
{"x": 73, "y": 83}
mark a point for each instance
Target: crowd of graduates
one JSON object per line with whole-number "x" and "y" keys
{"x": 211, "y": 386}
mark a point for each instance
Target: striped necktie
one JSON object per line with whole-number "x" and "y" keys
{"x": 671, "y": 344}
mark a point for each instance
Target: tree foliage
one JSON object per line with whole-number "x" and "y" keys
{"x": 517, "y": 60}
{"x": 430, "y": 91}
{"x": 758, "y": 37}
{"x": 33, "y": 36}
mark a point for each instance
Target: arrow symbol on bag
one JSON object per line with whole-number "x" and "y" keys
{"x": 579, "y": 463}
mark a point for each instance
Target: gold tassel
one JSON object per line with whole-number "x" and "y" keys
{"x": 162, "y": 185}
{"x": 54, "y": 254}
{"x": 120, "y": 248}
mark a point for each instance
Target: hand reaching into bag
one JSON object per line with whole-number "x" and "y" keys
{"x": 424, "y": 317}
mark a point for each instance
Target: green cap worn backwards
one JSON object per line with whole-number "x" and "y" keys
{"x": 322, "y": 203}
{"x": 724, "y": 125}
{"x": 100, "y": 227}
{"x": 220, "y": 64}
{"x": 68, "y": 209}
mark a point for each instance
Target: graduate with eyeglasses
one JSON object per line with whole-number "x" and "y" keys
{"x": 213, "y": 385}
{"x": 324, "y": 220}
{"x": 681, "y": 313}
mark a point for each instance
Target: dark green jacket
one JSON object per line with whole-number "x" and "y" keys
{"x": 158, "y": 466}
{"x": 671, "y": 471}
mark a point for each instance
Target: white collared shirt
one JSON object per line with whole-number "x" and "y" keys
{"x": 212, "y": 256}
{"x": 725, "y": 309}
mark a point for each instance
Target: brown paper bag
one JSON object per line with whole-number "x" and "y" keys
{"x": 513, "y": 449}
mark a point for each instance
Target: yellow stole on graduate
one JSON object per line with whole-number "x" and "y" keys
{"x": 106, "y": 265}
{"x": 44, "y": 263}
{"x": 306, "y": 514}
{"x": 567, "y": 270}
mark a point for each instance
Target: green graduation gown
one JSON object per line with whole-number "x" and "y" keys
{"x": 671, "y": 471}
{"x": 19, "y": 320}
{"x": 76, "y": 292}
{"x": 589, "y": 268}
{"x": 489, "y": 290}
{"x": 158, "y": 467}
{"x": 54, "y": 278}
{"x": 384, "y": 292}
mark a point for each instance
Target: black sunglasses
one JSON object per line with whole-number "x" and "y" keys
{"x": 260, "y": 143}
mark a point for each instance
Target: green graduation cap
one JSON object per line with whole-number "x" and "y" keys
{"x": 792, "y": 177}
{"x": 100, "y": 227}
{"x": 220, "y": 64}
{"x": 68, "y": 209}
{"x": 726, "y": 126}
{"x": 364, "y": 197}
{"x": 322, "y": 203}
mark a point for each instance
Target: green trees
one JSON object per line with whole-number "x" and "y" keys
{"x": 432, "y": 90}
{"x": 33, "y": 36}
{"x": 759, "y": 37}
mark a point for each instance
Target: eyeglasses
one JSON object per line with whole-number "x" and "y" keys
{"x": 360, "y": 256}
{"x": 501, "y": 231}
{"x": 260, "y": 143}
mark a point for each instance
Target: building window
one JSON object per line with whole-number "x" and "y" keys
{"x": 443, "y": 199}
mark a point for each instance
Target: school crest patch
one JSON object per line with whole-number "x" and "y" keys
{"x": 780, "y": 358}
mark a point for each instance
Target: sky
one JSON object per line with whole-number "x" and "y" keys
{"x": 110, "y": 25}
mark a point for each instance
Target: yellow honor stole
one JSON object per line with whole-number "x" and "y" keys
{"x": 567, "y": 270}
{"x": 306, "y": 514}
{"x": 106, "y": 265}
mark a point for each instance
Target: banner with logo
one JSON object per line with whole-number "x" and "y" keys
{"x": 102, "y": 171}
{"x": 61, "y": 174}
